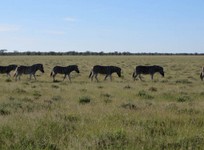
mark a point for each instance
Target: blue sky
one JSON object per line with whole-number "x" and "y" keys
{"x": 171, "y": 26}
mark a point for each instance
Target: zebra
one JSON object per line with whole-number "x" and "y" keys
{"x": 7, "y": 69}
{"x": 107, "y": 70}
{"x": 64, "y": 70}
{"x": 147, "y": 70}
{"x": 31, "y": 70}
{"x": 202, "y": 74}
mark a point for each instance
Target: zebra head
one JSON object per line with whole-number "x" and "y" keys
{"x": 40, "y": 67}
{"x": 118, "y": 71}
{"x": 161, "y": 71}
{"x": 76, "y": 69}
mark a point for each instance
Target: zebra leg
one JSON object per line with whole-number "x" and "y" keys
{"x": 96, "y": 77}
{"x": 135, "y": 76}
{"x": 69, "y": 78}
{"x": 152, "y": 76}
{"x": 105, "y": 77}
{"x": 8, "y": 74}
{"x": 16, "y": 77}
{"x": 92, "y": 76}
{"x": 34, "y": 76}
{"x": 54, "y": 77}
{"x": 140, "y": 77}
{"x": 64, "y": 76}
{"x": 19, "y": 77}
{"x": 110, "y": 77}
{"x": 30, "y": 76}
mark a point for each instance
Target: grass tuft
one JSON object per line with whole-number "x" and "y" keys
{"x": 112, "y": 140}
{"x": 143, "y": 94}
{"x": 183, "y": 98}
{"x": 84, "y": 100}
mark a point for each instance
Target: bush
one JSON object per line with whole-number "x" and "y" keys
{"x": 4, "y": 111}
{"x": 84, "y": 100}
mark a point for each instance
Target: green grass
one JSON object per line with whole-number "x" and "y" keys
{"x": 166, "y": 113}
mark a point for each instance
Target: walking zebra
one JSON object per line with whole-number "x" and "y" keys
{"x": 64, "y": 70}
{"x": 147, "y": 70}
{"x": 7, "y": 69}
{"x": 31, "y": 70}
{"x": 202, "y": 74}
{"x": 107, "y": 70}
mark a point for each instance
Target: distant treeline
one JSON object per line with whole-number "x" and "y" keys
{"x": 87, "y": 53}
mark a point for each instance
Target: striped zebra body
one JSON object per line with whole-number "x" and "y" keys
{"x": 147, "y": 70}
{"x": 64, "y": 70}
{"x": 107, "y": 70}
{"x": 7, "y": 69}
{"x": 31, "y": 70}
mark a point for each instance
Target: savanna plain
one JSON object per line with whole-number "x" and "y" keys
{"x": 166, "y": 113}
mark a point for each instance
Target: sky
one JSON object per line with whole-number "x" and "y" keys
{"x": 163, "y": 26}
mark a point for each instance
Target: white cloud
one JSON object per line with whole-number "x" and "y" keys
{"x": 8, "y": 28}
{"x": 70, "y": 19}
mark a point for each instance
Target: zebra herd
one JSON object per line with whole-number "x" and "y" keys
{"x": 97, "y": 69}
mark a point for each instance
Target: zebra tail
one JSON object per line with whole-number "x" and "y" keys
{"x": 90, "y": 74}
{"x": 51, "y": 73}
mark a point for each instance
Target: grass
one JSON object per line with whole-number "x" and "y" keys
{"x": 166, "y": 113}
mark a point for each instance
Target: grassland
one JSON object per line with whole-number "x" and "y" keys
{"x": 166, "y": 113}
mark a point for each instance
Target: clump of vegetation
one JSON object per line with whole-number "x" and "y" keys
{"x": 3, "y": 111}
{"x": 20, "y": 91}
{"x": 56, "y": 98}
{"x": 68, "y": 117}
{"x": 37, "y": 94}
{"x": 153, "y": 89}
{"x": 129, "y": 106}
{"x": 54, "y": 86}
{"x": 144, "y": 94}
{"x": 84, "y": 100}
{"x": 202, "y": 93}
{"x": 26, "y": 99}
{"x": 172, "y": 107}
{"x": 11, "y": 98}
{"x": 183, "y": 98}
{"x": 189, "y": 111}
{"x": 112, "y": 140}
{"x": 8, "y": 80}
{"x": 33, "y": 86}
{"x": 83, "y": 90}
{"x": 100, "y": 87}
{"x": 107, "y": 100}
{"x": 195, "y": 142}
{"x": 106, "y": 95}
{"x": 184, "y": 81}
{"x": 127, "y": 87}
